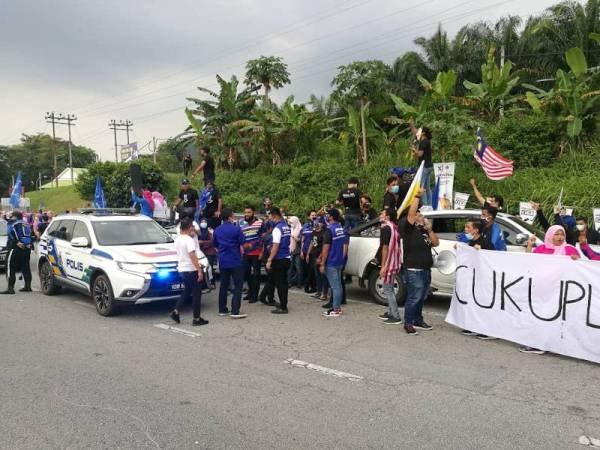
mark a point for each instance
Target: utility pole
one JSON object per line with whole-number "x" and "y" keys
{"x": 62, "y": 119}
{"x": 501, "y": 66}
{"x": 121, "y": 126}
{"x": 52, "y": 120}
{"x": 154, "y": 149}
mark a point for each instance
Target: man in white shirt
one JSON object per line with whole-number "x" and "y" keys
{"x": 190, "y": 270}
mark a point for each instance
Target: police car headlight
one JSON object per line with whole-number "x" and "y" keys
{"x": 136, "y": 268}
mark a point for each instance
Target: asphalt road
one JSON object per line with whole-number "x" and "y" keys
{"x": 72, "y": 379}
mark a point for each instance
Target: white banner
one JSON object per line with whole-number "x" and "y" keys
{"x": 460, "y": 200}
{"x": 526, "y": 212}
{"x": 542, "y": 301}
{"x": 445, "y": 172}
{"x": 129, "y": 151}
{"x": 596, "y": 212}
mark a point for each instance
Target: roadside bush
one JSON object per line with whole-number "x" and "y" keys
{"x": 116, "y": 181}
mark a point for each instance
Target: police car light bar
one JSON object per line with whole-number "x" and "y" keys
{"x": 106, "y": 211}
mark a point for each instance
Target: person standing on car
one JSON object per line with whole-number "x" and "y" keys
{"x": 389, "y": 255}
{"x": 229, "y": 241}
{"x": 187, "y": 200}
{"x": 253, "y": 230}
{"x": 423, "y": 152}
{"x": 190, "y": 270}
{"x": 279, "y": 259}
{"x": 207, "y": 166}
{"x": 20, "y": 244}
{"x": 418, "y": 238}
{"x": 187, "y": 163}
{"x": 332, "y": 258}
{"x": 349, "y": 198}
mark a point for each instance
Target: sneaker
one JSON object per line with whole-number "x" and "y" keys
{"x": 392, "y": 321}
{"x": 8, "y": 291}
{"x": 469, "y": 333}
{"x": 332, "y": 313}
{"x": 238, "y": 316}
{"x": 316, "y": 295}
{"x": 485, "y": 337}
{"x": 25, "y": 289}
{"x": 384, "y": 316}
{"x": 535, "y": 351}
{"x": 410, "y": 330}
{"x": 423, "y": 326}
{"x": 175, "y": 317}
{"x": 327, "y": 305}
{"x": 199, "y": 321}
{"x": 223, "y": 314}
{"x": 279, "y": 311}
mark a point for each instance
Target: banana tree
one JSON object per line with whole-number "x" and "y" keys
{"x": 574, "y": 98}
{"x": 495, "y": 90}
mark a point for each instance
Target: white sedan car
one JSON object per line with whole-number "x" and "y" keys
{"x": 364, "y": 242}
{"x": 114, "y": 257}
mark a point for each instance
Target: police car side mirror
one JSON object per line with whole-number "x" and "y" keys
{"x": 80, "y": 242}
{"x": 522, "y": 238}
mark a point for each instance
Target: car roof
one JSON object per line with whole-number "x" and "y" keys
{"x": 460, "y": 212}
{"x": 103, "y": 217}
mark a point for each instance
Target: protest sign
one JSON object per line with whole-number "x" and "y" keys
{"x": 129, "y": 151}
{"x": 596, "y": 212}
{"x": 526, "y": 212}
{"x": 444, "y": 172}
{"x": 543, "y": 301}
{"x": 460, "y": 200}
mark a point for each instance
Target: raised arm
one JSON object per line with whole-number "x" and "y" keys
{"x": 478, "y": 195}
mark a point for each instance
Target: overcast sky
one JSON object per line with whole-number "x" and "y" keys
{"x": 140, "y": 59}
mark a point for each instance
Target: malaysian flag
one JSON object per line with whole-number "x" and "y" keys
{"x": 495, "y": 166}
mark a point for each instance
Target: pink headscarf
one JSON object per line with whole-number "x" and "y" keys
{"x": 158, "y": 198}
{"x": 148, "y": 196}
{"x": 296, "y": 228}
{"x": 560, "y": 250}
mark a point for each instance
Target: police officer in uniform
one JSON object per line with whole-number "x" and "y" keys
{"x": 279, "y": 259}
{"x": 350, "y": 199}
{"x": 20, "y": 244}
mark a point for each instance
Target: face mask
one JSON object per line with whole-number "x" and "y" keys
{"x": 395, "y": 189}
{"x": 580, "y": 227}
{"x": 203, "y": 225}
{"x": 469, "y": 236}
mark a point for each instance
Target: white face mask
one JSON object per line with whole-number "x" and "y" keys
{"x": 203, "y": 225}
{"x": 580, "y": 227}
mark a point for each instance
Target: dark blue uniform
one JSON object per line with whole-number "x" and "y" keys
{"x": 20, "y": 244}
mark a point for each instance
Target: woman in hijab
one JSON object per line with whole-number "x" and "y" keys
{"x": 554, "y": 244}
{"x": 161, "y": 209}
{"x": 295, "y": 270}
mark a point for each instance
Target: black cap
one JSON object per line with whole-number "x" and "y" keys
{"x": 226, "y": 213}
{"x": 335, "y": 213}
{"x": 185, "y": 181}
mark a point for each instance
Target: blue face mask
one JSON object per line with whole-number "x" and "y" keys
{"x": 469, "y": 236}
{"x": 395, "y": 189}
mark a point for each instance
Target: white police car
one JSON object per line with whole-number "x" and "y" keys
{"x": 111, "y": 255}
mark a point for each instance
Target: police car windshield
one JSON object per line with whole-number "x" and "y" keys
{"x": 130, "y": 232}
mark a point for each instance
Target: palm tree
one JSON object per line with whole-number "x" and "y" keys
{"x": 268, "y": 71}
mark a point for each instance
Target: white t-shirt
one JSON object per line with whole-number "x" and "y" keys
{"x": 185, "y": 244}
{"x": 276, "y": 235}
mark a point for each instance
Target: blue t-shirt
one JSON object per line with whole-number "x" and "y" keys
{"x": 495, "y": 237}
{"x": 283, "y": 232}
{"x": 335, "y": 236}
{"x": 145, "y": 209}
{"x": 228, "y": 238}
{"x": 307, "y": 231}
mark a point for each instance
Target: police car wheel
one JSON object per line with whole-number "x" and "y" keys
{"x": 47, "y": 281}
{"x": 103, "y": 296}
{"x": 376, "y": 288}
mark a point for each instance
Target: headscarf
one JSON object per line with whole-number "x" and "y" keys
{"x": 560, "y": 250}
{"x": 148, "y": 197}
{"x": 296, "y": 229}
{"x": 158, "y": 198}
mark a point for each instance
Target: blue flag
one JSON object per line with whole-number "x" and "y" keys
{"x": 435, "y": 195}
{"x": 99, "y": 201}
{"x": 15, "y": 195}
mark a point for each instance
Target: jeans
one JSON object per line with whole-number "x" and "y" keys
{"x": 426, "y": 184}
{"x": 334, "y": 276}
{"x": 390, "y": 295}
{"x": 237, "y": 274}
{"x": 280, "y": 269}
{"x": 295, "y": 273}
{"x": 192, "y": 289}
{"x": 417, "y": 284}
{"x": 252, "y": 275}
{"x": 351, "y": 221}
{"x": 309, "y": 274}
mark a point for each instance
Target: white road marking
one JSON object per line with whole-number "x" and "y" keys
{"x": 589, "y": 441}
{"x": 325, "y": 370}
{"x": 164, "y": 326}
{"x": 79, "y": 302}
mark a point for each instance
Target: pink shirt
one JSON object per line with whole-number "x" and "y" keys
{"x": 569, "y": 250}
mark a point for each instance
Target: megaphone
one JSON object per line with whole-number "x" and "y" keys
{"x": 446, "y": 262}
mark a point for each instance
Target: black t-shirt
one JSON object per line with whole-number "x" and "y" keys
{"x": 425, "y": 147}
{"x": 188, "y": 198}
{"x": 209, "y": 169}
{"x": 368, "y": 215}
{"x": 316, "y": 243}
{"x": 592, "y": 236}
{"x": 212, "y": 204}
{"x": 485, "y": 244}
{"x": 187, "y": 161}
{"x": 350, "y": 198}
{"x": 390, "y": 202}
{"x": 417, "y": 246}
{"x": 385, "y": 234}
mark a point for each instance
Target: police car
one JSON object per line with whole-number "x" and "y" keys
{"x": 3, "y": 244}
{"x": 112, "y": 255}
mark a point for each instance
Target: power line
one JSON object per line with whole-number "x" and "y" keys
{"x": 121, "y": 126}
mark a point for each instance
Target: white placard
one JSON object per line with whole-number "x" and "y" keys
{"x": 596, "y": 212}
{"x": 445, "y": 173}
{"x": 526, "y": 212}
{"x": 460, "y": 200}
{"x": 542, "y": 301}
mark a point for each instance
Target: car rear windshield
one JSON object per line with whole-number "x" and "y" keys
{"x": 130, "y": 232}
{"x": 532, "y": 229}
